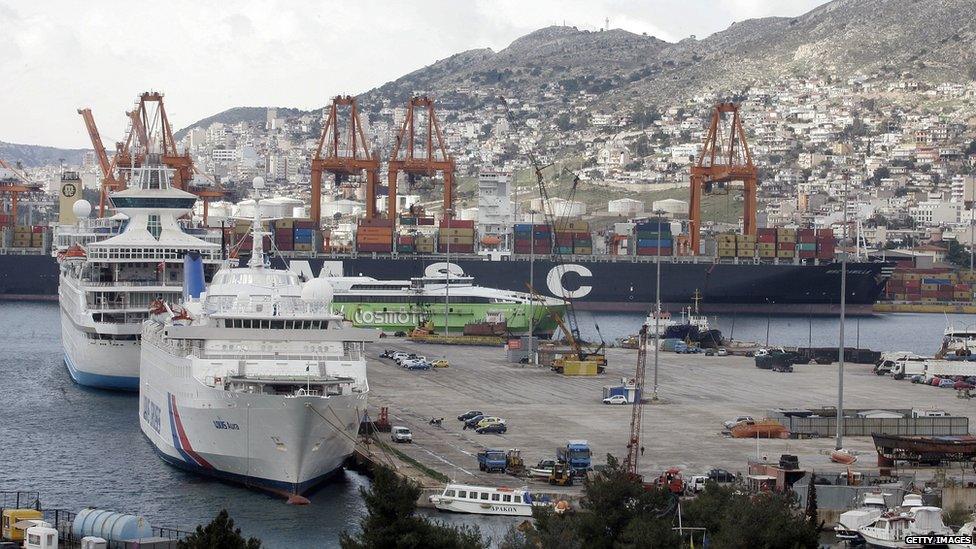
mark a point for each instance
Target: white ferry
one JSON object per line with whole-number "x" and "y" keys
{"x": 483, "y": 500}
{"x": 444, "y": 293}
{"x": 111, "y": 270}
{"x": 254, "y": 380}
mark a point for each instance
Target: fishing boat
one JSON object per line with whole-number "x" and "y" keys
{"x": 484, "y": 500}
{"x": 764, "y": 428}
{"x": 843, "y": 456}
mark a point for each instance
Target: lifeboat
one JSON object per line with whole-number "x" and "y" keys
{"x": 766, "y": 428}
{"x": 843, "y": 456}
{"x": 74, "y": 251}
{"x": 490, "y": 240}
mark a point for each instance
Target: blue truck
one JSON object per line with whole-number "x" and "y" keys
{"x": 577, "y": 454}
{"x": 492, "y": 460}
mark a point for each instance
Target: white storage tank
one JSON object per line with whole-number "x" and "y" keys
{"x": 110, "y": 525}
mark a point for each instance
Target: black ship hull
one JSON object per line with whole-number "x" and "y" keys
{"x": 594, "y": 284}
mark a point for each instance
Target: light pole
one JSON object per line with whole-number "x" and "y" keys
{"x": 447, "y": 286}
{"x": 843, "y": 305}
{"x": 657, "y": 298}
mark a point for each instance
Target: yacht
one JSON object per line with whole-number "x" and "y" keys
{"x": 484, "y": 500}
{"x": 111, "y": 270}
{"x": 892, "y": 529}
{"x": 958, "y": 343}
{"x": 253, "y": 379}
{"x": 443, "y": 294}
{"x": 871, "y": 508}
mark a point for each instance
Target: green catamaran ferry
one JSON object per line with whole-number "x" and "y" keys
{"x": 401, "y": 305}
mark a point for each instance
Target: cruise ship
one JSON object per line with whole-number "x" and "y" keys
{"x": 444, "y": 297}
{"x": 254, "y": 380}
{"x": 112, "y": 269}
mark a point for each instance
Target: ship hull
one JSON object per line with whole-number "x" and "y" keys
{"x": 99, "y": 363}
{"x": 394, "y": 317}
{"x": 598, "y": 283}
{"x": 284, "y": 445}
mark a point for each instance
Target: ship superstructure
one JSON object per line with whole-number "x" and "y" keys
{"x": 110, "y": 271}
{"x": 254, "y": 381}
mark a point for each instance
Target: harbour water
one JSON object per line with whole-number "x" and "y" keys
{"x": 80, "y": 447}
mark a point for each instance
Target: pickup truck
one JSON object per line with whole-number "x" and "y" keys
{"x": 492, "y": 460}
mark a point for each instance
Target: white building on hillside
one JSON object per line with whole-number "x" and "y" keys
{"x": 626, "y": 207}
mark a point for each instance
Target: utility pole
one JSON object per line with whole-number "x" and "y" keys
{"x": 843, "y": 304}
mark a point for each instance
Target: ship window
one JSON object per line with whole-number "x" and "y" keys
{"x": 154, "y": 226}
{"x": 462, "y": 493}
{"x": 277, "y": 324}
{"x": 473, "y": 495}
{"x": 507, "y": 498}
{"x": 494, "y": 497}
{"x": 484, "y": 496}
{"x": 518, "y": 499}
{"x": 449, "y": 493}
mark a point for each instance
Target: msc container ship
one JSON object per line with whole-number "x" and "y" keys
{"x": 594, "y": 282}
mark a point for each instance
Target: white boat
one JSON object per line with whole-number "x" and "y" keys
{"x": 871, "y": 508}
{"x": 967, "y": 529}
{"x": 892, "y": 529}
{"x": 111, "y": 270}
{"x": 254, "y": 380}
{"x": 659, "y": 320}
{"x": 484, "y": 500}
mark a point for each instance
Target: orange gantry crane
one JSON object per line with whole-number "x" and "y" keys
{"x": 110, "y": 181}
{"x": 423, "y": 157}
{"x": 145, "y": 122}
{"x": 347, "y": 154}
{"x": 15, "y": 187}
{"x": 724, "y": 158}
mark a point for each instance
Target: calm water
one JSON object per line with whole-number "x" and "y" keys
{"x": 80, "y": 448}
{"x": 919, "y": 333}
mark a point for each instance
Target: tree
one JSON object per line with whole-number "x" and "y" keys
{"x": 811, "y": 510}
{"x": 391, "y": 520}
{"x": 219, "y": 534}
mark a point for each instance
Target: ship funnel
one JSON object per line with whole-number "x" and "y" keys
{"x": 194, "y": 283}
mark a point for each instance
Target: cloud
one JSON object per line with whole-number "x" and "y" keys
{"x": 59, "y": 55}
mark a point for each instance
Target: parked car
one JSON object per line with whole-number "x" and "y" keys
{"x": 709, "y": 352}
{"x": 492, "y": 428}
{"x": 919, "y": 378}
{"x": 947, "y": 383}
{"x": 935, "y": 381}
{"x": 488, "y": 421}
{"x": 721, "y": 475}
{"x": 401, "y": 359}
{"x": 472, "y": 421}
{"x": 615, "y": 399}
{"x": 387, "y": 353}
{"x": 440, "y": 363}
{"x": 696, "y": 484}
{"x": 400, "y": 434}
{"x": 417, "y": 364}
{"x": 783, "y": 368}
{"x": 470, "y": 414}
{"x": 737, "y": 420}
{"x": 396, "y": 356}
{"x": 962, "y": 385}
{"x": 722, "y": 351}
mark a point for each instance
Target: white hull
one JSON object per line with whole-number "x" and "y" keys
{"x": 95, "y": 362}
{"x": 482, "y": 507}
{"x": 283, "y": 444}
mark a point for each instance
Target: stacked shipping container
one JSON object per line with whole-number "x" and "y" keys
{"x": 573, "y": 236}
{"x": 653, "y": 237}
{"x": 374, "y": 235}
{"x": 529, "y": 238}
{"x": 456, "y": 235}
{"x": 930, "y": 285}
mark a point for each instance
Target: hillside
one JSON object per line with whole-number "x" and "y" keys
{"x": 235, "y": 115}
{"x": 37, "y": 155}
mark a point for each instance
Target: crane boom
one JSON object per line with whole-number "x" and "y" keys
{"x": 637, "y": 413}
{"x": 96, "y": 140}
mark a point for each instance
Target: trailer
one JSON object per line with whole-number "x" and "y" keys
{"x": 948, "y": 368}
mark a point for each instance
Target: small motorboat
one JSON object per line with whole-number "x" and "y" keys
{"x": 542, "y": 469}
{"x": 850, "y": 522}
{"x": 843, "y": 456}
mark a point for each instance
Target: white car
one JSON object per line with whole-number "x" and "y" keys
{"x": 737, "y": 420}
{"x": 397, "y": 356}
{"x": 401, "y": 434}
{"x": 615, "y": 399}
{"x": 403, "y": 358}
{"x": 722, "y": 351}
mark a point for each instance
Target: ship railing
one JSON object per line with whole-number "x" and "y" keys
{"x": 267, "y": 355}
{"x": 131, "y": 284}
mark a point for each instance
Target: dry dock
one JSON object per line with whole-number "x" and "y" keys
{"x": 544, "y": 409}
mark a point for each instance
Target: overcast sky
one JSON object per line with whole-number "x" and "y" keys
{"x": 207, "y": 56}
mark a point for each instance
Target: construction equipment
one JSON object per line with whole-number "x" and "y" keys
{"x": 634, "y": 449}
{"x": 15, "y": 185}
{"x": 723, "y": 159}
{"x": 561, "y": 475}
{"x": 582, "y": 353}
{"x": 347, "y": 154}
{"x": 424, "y": 157}
{"x": 514, "y": 464}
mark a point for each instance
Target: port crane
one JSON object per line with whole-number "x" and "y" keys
{"x": 420, "y": 155}
{"x": 347, "y": 154}
{"x": 110, "y": 181}
{"x": 724, "y": 158}
{"x": 15, "y": 186}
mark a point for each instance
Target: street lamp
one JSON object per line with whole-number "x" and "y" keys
{"x": 449, "y": 214}
{"x": 657, "y": 297}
